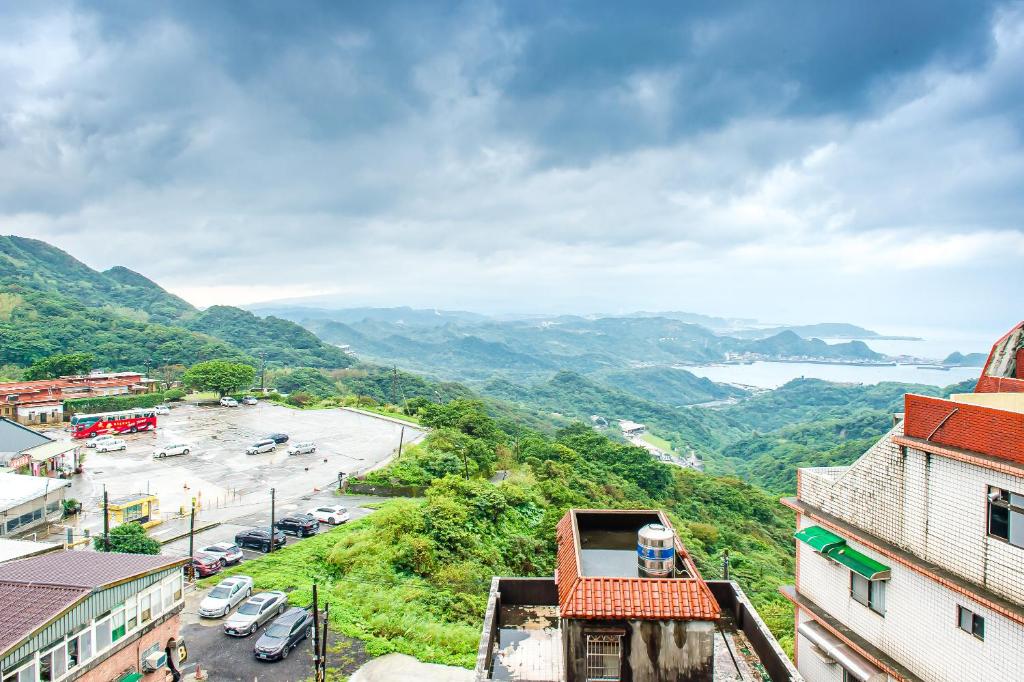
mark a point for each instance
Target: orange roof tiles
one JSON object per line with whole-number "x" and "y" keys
{"x": 591, "y": 597}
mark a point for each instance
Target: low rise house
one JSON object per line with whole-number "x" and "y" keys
{"x": 42, "y": 402}
{"x": 628, "y": 604}
{"x": 94, "y": 616}
{"x": 631, "y": 428}
{"x": 910, "y": 561}
{"x": 28, "y": 503}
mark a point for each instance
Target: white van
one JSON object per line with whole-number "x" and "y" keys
{"x": 172, "y": 450}
{"x": 302, "y": 448}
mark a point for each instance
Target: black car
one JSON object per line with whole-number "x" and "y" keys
{"x": 299, "y": 525}
{"x": 295, "y": 625}
{"x": 259, "y": 538}
{"x": 277, "y": 437}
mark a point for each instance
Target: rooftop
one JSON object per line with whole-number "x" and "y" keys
{"x": 28, "y": 606}
{"x": 19, "y": 549}
{"x": 598, "y": 578}
{"x": 84, "y": 569}
{"x": 17, "y": 489}
{"x": 14, "y": 437}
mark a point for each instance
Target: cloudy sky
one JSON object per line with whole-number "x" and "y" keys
{"x": 786, "y": 161}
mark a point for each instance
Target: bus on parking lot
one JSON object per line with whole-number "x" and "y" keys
{"x": 125, "y": 421}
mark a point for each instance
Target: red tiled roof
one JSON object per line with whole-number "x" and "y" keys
{"x": 990, "y": 431}
{"x": 592, "y": 597}
{"x": 76, "y": 568}
{"x": 28, "y": 607}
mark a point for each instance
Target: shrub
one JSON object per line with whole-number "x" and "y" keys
{"x": 173, "y": 394}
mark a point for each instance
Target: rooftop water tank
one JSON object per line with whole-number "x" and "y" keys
{"x": 655, "y": 551}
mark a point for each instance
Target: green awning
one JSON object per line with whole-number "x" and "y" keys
{"x": 130, "y": 677}
{"x": 858, "y": 563}
{"x": 819, "y": 538}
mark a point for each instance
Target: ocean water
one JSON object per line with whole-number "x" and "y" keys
{"x": 775, "y": 374}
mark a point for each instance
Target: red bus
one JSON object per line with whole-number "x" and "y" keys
{"x": 125, "y": 421}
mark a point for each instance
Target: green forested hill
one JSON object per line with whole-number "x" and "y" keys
{"x": 670, "y": 386}
{"x": 52, "y": 303}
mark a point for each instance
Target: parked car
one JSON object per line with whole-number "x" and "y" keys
{"x": 259, "y": 538}
{"x": 290, "y": 628}
{"x": 299, "y": 525}
{"x": 172, "y": 450}
{"x": 225, "y": 596}
{"x": 96, "y": 440}
{"x": 305, "y": 447}
{"x": 204, "y": 564}
{"x": 228, "y": 401}
{"x": 229, "y": 553}
{"x": 162, "y": 409}
{"x": 249, "y": 400}
{"x": 277, "y": 437}
{"x": 112, "y": 445}
{"x": 333, "y": 514}
{"x": 260, "y": 446}
{"x": 257, "y": 611}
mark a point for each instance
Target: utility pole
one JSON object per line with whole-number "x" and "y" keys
{"x": 394, "y": 385}
{"x": 191, "y": 539}
{"x": 316, "y": 637}
{"x": 725, "y": 564}
{"x": 263, "y": 372}
{"x": 106, "y": 521}
{"x": 401, "y": 440}
{"x": 272, "y": 519}
{"x": 323, "y": 642}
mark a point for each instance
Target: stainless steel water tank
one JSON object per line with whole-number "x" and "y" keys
{"x": 655, "y": 551}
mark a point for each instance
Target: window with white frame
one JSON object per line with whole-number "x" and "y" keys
{"x": 22, "y": 671}
{"x": 870, "y": 593}
{"x": 145, "y": 608}
{"x": 604, "y": 657}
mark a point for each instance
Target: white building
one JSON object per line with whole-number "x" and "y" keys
{"x": 910, "y": 562}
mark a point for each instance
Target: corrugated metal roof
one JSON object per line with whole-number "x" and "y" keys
{"x": 17, "y": 489}
{"x": 591, "y": 597}
{"x": 20, "y": 549}
{"x": 14, "y": 437}
{"x": 84, "y": 569}
{"x": 26, "y": 607}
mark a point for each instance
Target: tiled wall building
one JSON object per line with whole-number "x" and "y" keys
{"x": 910, "y": 562}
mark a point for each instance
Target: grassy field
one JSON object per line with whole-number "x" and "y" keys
{"x": 657, "y": 442}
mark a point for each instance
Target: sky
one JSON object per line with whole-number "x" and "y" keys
{"x": 785, "y": 161}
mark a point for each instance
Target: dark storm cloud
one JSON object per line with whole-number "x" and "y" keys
{"x": 524, "y": 154}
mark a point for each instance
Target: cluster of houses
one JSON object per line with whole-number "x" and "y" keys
{"x": 42, "y": 402}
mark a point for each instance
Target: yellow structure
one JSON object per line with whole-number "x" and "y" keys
{"x": 141, "y": 508}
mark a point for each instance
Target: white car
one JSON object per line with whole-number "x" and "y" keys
{"x": 93, "y": 442}
{"x": 227, "y": 401}
{"x": 261, "y": 446}
{"x": 330, "y": 514}
{"x": 302, "y": 448}
{"x": 225, "y": 596}
{"x": 111, "y": 445}
{"x": 249, "y": 400}
{"x": 172, "y": 450}
{"x": 162, "y": 409}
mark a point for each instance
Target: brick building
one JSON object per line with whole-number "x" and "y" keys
{"x": 80, "y": 615}
{"x": 626, "y": 604}
{"x": 910, "y": 561}
{"x": 42, "y": 402}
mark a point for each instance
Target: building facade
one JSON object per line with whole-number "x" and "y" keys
{"x": 28, "y": 503}
{"x": 79, "y": 615}
{"x": 626, "y": 604}
{"x": 42, "y": 402}
{"x": 910, "y": 562}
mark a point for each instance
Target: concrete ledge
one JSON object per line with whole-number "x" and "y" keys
{"x": 395, "y": 420}
{"x": 198, "y": 529}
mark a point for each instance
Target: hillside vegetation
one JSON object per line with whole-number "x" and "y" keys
{"x": 52, "y": 303}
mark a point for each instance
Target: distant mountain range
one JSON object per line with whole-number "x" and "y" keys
{"x": 823, "y": 330}
{"x": 52, "y": 303}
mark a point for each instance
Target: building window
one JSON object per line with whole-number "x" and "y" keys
{"x": 870, "y": 593}
{"x": 969, "y": 621}
{"x": 604, "y": 658}
{"x": 103, "y": 639}
{"x": 1006, "y": 516}
{"x": 145, "y": 608}
{"x": 116, "y": 626}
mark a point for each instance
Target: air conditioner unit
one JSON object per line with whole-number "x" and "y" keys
{"x": 154, "y": 661}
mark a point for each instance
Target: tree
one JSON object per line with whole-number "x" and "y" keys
{"x": 306, "y": 380}
{"x": 64, "y": 364}
{"x": 221, "y": 376}
{"x": 129, "y": 538}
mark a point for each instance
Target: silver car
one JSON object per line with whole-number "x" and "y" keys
{"x": 256, "y": 612}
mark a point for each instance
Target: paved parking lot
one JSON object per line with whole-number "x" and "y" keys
{"x": 228, "y": 484}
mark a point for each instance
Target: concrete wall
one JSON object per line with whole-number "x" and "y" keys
{"x": 931, "y": 506}
{"x": 919, "y": 628}
{"x": 653, "y": 651}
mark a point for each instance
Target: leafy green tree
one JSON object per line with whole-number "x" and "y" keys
{"x": 64, "y": 364}
{"x": 221, "y": 376}
{"x": 306, "y": 380}
{"x": 129, "y": 538}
